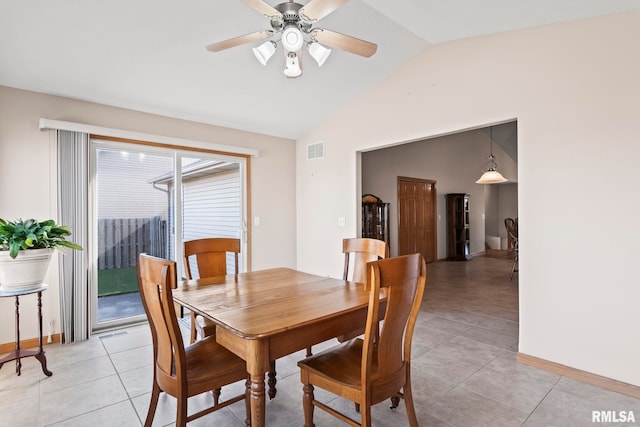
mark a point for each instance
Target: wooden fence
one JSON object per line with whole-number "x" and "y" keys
{"x": 121, "y": 240}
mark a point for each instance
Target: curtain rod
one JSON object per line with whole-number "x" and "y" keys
{"x": 141, "y": 136}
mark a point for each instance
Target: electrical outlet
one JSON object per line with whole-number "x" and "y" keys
{"x": 49, "y": 340}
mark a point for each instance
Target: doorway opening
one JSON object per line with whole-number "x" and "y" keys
{"x": 455, "y": 161}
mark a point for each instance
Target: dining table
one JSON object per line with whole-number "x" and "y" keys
{"x": 267, "y": 314}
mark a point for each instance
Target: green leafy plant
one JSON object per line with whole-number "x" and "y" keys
{"x": 32, "y": 234}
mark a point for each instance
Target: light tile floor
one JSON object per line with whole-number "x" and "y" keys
{"x": 464, "y": 372}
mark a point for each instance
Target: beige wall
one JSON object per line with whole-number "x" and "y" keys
{"x": 574, "y": 90}
{"x": 28, "y": 172}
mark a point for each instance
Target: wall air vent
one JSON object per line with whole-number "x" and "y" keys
{"x": 315, "y": 150}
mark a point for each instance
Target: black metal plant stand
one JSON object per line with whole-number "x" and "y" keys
{"x": 19, "y": 353}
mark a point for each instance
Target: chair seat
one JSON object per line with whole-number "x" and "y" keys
{"x": 341, "y": 364}
{"x": 206, "y": 356}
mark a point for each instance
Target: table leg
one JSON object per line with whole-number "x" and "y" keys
{"x": 272, "y": 379}
{"x": 257, "y": 400}
{"x": 257, "y": 366}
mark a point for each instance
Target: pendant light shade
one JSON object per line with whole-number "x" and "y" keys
{"x": 491, "y": 177}
{"x": 265, "y": 51}
{"x": 292, "y": 68}
{"x": 491, "y": 174}
{"x": 318, "y": 52}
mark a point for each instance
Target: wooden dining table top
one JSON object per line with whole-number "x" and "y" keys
{"x": 256, "y": 304}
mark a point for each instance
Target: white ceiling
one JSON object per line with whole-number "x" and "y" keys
{"x": 149, "y": 55}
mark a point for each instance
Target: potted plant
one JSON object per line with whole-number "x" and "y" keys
{"x": 26, "y": 247}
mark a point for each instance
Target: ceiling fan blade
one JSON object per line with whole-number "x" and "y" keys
{"x": 247, "y": 38}
{"x": 344, "y": 42}
{"x": 264, "y": 8}
{"x": 318, "y": 9}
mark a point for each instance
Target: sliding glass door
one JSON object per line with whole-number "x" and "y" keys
{"x": 149, "y": 200}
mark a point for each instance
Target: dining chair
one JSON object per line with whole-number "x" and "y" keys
{"x": 368, "y": 371}
{"x": 182, "y": 371}
{"x": 211, "y": 260}
{"x": 360, "y": 251}
{"x": 512, "y": 231}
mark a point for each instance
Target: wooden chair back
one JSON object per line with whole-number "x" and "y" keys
{"x": 156, "y": 279}
{"x": 512, "y": 232}
{"x": 386, "y": 354}
{"x": 362, "y": 251}
{"x": 211, "y": 255}
{"x": 211, "y": 259}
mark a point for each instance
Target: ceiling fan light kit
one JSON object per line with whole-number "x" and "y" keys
{"x": 292, "y": 38}
{"x": 292, "y": 68}
{"x": 318, "y": 52}
{"x": 292, "y": 24}
{"x": 265, "y": 51}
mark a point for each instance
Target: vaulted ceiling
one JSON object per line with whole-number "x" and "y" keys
{"x": 149, "y": 55}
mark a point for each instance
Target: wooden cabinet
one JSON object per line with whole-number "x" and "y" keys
{"x": 375, "y": 218}
{"x": 458, "y": 230}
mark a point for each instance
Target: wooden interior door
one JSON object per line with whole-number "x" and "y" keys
{"x": 417, "y": 217}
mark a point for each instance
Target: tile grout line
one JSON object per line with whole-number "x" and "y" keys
{"x": 491, "y": 398}
{"x": 119, "y": 377}
{"x": 94, "y": 410}
{"x": 541, "y": 400}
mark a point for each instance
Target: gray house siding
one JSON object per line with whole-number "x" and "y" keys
{"x": 123, "y": 186}
{"x": 211, "y": 208}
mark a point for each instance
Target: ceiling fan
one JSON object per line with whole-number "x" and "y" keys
{"x": 292, "y": 24}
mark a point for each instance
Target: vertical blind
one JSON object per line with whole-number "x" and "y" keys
{"x": 73, "y": 180}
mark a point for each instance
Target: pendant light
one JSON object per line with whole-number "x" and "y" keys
{"x": 491, "y": 174}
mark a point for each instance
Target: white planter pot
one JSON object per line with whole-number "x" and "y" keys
{"x": 26, "y": 271}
